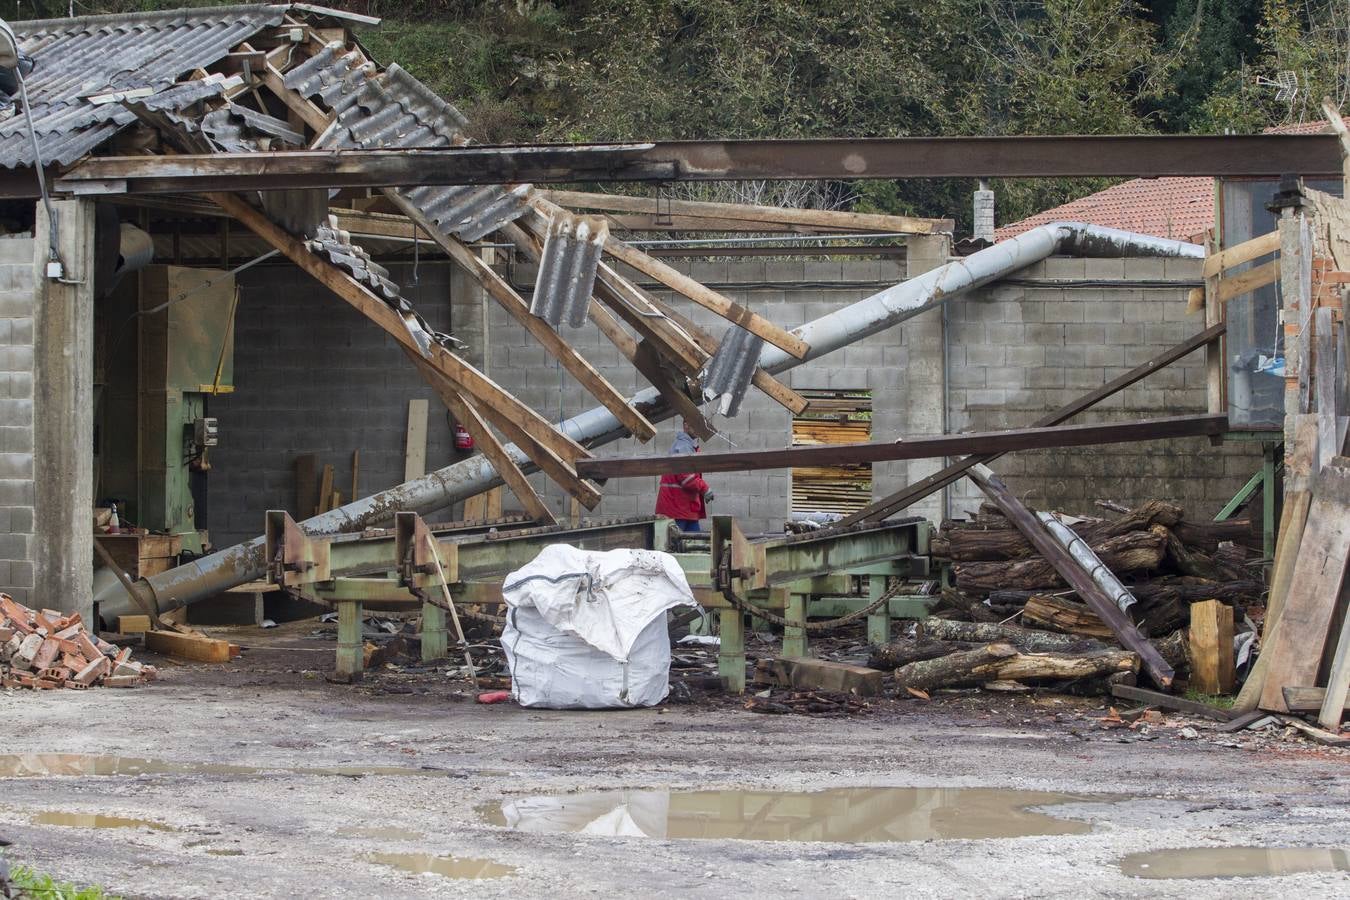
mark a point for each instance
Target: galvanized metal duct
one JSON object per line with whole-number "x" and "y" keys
{"x": 562, "y": 289}
{"x": 1083, "y": 555}
{"x": 726, "y": 376}
{"x": 236, "y": 565}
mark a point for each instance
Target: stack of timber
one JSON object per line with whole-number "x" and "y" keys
{"x": 833, "y": 417}
{"x": 1011, "y": 619}
{"x": 45, "y": 650}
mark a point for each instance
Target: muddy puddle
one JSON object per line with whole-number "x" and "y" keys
{"x": 95, "y": 820}
{"x": 850, "y": 815}
{"x": 35, "y": 765}
{"x": 445, "y": 866}
{"x": 1234, "y": 862}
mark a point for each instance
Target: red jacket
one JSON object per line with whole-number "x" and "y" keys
{"x": 680, "y": 496}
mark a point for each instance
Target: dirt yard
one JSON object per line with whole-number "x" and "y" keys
{"x": 247, "y": 815}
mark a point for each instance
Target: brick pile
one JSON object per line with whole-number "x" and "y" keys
{"x": 44, "y": 650}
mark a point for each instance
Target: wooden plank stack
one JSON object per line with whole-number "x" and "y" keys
{"x": 833, "y": 417}
{"x": 45, "y": 650}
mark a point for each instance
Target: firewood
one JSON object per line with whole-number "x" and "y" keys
{"x": 1023, "y": 638}
{"x": 1130, "y": 552}
{"x": 1064, "y": 616}
{"x": 1004, "y": 662}
{"x": 907, "y": 650}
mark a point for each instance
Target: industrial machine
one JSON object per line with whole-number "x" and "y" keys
{"x": 167, "y": 347}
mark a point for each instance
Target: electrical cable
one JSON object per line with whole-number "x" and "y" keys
{"x": 52, "y": 254}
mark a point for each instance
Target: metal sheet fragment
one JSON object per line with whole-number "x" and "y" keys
{"x": 727, "y": 374}
{"x": 562, "y": 290}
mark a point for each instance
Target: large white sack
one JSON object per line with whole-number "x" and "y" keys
{"x": 586, "y": 629}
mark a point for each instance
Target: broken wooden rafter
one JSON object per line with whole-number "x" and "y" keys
{"x": 741, "y": 212}
{"x": 507, "y": 298}
{"x": 1075, "y": 575}
{"x": 648, "y": 362}
{"x": 913, "y": 448}
{"x": 487, "y": 444}
{"x": 911, "y": 494}
{"x": 466, "y": 379}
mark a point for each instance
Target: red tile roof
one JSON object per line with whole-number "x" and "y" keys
{"x": 1178, "y": 208}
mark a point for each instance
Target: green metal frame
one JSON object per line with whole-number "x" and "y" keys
{"x": 1272, "y": 463}
{"x": 392, "y": 570}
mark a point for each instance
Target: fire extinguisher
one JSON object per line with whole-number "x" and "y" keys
{"x": 463, "y": 440}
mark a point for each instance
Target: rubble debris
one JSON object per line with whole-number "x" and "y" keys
{"x": 45, "y": 650}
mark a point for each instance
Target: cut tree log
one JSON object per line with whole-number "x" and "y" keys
{"x": 896, "y": 654}
{"x": 1068, "y": 568}
{"x": 1064, "y": 616}
{"x": 1004, "y": 662}
{"x": 982, "y": 632}
{"x": 1133, "y": 551}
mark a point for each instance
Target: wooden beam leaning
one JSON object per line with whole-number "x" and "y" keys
{"x": 465, "y": 377}
{"x": 487, "y": 443}
{"x": 648, "y": 362}
{"x": 908, "y": 496}
{"x": 1296, "y": 648}
{"x": 912, "y": 448}
{"x": 1238, "y": 254}
{"x": 741, "y": 212}
{"x": 1097, "y": 599}
{"x": 1248, "y": 281}
{"x": 575, "y": 364}
{"x": 707, "y": 297}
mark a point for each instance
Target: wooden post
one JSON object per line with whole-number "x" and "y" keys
{"x": 415, "y": 445}
{"x": 435, "y": 636}
{"x": 351, "y": 661}
{"x": 1211, "y": 638}
{"x": 731, "y": 652}
{"x": 878, "y": 622}
{"x": 794, "y": 606}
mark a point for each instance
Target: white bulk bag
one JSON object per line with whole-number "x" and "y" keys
{"x": 587, "y": 629}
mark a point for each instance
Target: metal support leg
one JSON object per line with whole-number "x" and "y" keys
{"x": 435, "y": 638}
{"x": 794, "y": 636}
{"x": 731, "y": 654}
{"x": 351, "y": 647}
{"x": 1269, "y": 453}
{"x": 879, "y": 622}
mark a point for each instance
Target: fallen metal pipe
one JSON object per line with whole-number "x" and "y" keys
{"x": 241, "y": 563}
{"x": 1083, "y": 554}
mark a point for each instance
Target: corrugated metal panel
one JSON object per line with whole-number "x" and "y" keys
{"x": 82, "y": 57}
{"x": 562, "y": 290}
{"x": 726, "y": 376}
{"x": 392, "y": 109}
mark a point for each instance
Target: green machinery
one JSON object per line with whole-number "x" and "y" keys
{"x": 168, "y": 345}
{"x": 402, "y": 567}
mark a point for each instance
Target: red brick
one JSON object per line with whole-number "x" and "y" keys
{"x": 91, "y": 673}
{"x": 88, "y": 649}
{"x": 47, "y": 653}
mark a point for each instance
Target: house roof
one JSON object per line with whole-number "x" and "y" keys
{"x": 1177, "y": 208}
{"x": 85, "y": 57}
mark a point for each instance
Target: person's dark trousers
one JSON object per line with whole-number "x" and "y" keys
{"x": 688, "y": 524}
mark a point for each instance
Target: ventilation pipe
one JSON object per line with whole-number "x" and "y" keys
{"x": 236, "y": 565}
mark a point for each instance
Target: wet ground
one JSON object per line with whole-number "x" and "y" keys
{"x": 260, "y": 779}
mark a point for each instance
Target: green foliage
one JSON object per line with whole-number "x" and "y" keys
{"x": 31, "y": 885}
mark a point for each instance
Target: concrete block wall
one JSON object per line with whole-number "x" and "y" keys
{"x": 18, "y": 302}
{"x": 312, "y": 375}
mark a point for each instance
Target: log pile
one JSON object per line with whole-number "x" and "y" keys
{"x": 45, "y": 650}
{"x": 1011, "y": 618}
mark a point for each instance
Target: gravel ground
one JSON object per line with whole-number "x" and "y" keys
{"x": 282, "y": 833}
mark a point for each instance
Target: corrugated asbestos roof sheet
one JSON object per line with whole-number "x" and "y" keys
{"x": 562, "y": 289}
{"x": 82, "y": 57}
{"x": 391, "y": 110}
{"x": 727, "y": 375}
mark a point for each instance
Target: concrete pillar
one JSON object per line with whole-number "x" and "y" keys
{"x": 925, "y": 412}
{"x": 63, "y": 413}
{"x": 984, "y": 213}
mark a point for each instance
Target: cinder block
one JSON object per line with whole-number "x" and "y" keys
{"x": 1064, "y": 267}
{"x": 1145, "y": 268}
{"x": 1047, "y": 335}
{"x": 1004, "y": 376}
{"x": 1129, "y": 337}
{"x": 1089, "y": 335}
{"x": 1103, "y": 311}
{"x": 984, "y": 355}
{"x": 16, "y": 250}
{"x": 1104, "y": 355}
{"x": 1068, "y": 311}
{"x": 16, "y": 492}
{"x": 1149, "y": 309}
{"x": 1024, "y": 355}
{"x": 1045, "y": 376}
{"x": 1182, "y": 269}
{"x": 1113, "y": 269}
{"x": 16, "y": 358}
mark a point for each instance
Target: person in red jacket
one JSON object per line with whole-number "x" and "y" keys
{"x": 683, "y": 496}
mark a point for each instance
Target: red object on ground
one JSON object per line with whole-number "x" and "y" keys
{"x": 494, "y": 697}
{"x": 463, "y": 440}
